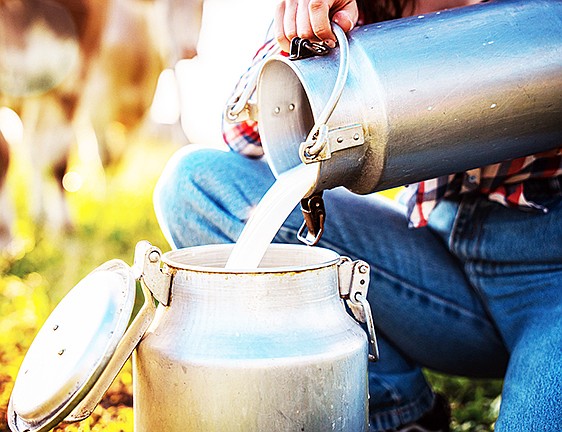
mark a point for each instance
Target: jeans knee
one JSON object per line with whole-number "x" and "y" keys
{"x": 173, "y": 197}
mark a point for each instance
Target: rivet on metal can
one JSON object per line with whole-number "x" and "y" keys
{"x": 154, "y": 256}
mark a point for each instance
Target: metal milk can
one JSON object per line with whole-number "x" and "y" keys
{"x": 270, "y": 349}
{"x": 267, "y": 349}
{"x": 411, "y": 99}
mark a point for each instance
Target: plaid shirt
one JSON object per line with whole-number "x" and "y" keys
{"x": 243, "y": 137}
{"x": 504, "y": 182}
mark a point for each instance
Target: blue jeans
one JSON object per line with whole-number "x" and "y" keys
{"x": 476, "y": 293}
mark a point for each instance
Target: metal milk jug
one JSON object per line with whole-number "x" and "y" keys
{"x": 267, "y": 349}
{"x": 411, "y": 99}
{"x": 270, "y": 349}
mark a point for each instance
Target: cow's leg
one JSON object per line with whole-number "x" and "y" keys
{"x": 6, "y": 208}
{"x": 49, "y": 136}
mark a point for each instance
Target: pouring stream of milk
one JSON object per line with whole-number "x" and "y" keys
{"x": 269, "y": 215}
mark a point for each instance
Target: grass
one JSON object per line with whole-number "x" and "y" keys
{"x": 112, "y": 213}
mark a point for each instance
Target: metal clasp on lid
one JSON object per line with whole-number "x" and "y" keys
{"x": 241, "y": 110}
{"x": 147, "y": 268}
{"x": 314, "y": 215}
{"x": 353, "y": 278}
{"x": 326, "y": 142}
{"x": 303, "y": 48}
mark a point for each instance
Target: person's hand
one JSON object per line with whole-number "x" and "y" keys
{"x": 310, "y": 19}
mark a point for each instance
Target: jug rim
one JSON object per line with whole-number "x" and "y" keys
{"x": 212, "y": 258}
{"x": 301, "y": 117}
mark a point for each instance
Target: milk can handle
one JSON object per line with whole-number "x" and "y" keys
{"x": 374, "y": 347}
{"x": 318, "y": 136}
{"x": 353, "y": 283}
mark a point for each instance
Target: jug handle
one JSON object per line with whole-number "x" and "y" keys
{"x": 353, "y": 284}
{"x": 317, "y": 138}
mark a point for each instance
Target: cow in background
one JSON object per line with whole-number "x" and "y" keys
{"x": 47, "y": 90}
{"x": 179, "y": 16}
{"x": 124, "y": 76}
{"x": 143, "y": 37}
{"x": 63, "y": 58}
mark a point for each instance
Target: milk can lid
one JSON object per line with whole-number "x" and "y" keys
{"x": 72, "y": 349}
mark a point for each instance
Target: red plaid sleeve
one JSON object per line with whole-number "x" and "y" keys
{"x": 504, "y": 183}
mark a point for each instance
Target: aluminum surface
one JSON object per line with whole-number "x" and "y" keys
{"x": 435, "y": 94}
{"x": 271, "y": 349}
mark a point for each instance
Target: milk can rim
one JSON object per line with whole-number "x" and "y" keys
{"x": 327, "y": 258}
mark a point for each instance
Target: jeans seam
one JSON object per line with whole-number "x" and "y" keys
{"x": 473, "y": 281}
{"x": 457, "y": 247}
